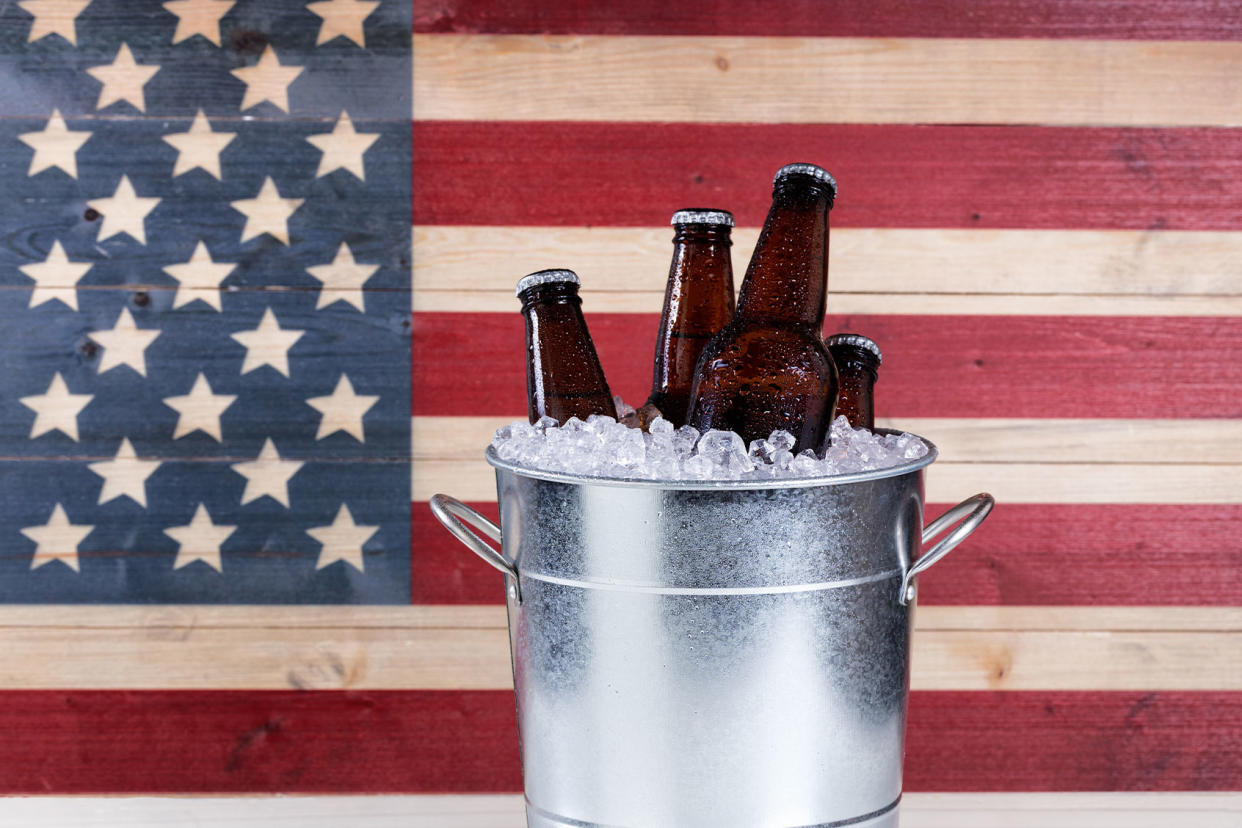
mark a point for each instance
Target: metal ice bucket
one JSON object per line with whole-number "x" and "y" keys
{"x": 711, "y": 653}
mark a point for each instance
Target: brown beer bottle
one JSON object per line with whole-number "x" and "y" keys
{"x": 769, "y": 368}
{"x": 857, "y": 359}
{"x": 563, "y": 376}
{"x": 698, "y": 302}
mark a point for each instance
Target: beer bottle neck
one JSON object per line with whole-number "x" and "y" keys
{"x": 787, "y": 279}
{"x": 551, "y": 295}
{"x": 857, "y": 369}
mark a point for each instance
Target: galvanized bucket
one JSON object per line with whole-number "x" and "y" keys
{"x": 711, "y": 653}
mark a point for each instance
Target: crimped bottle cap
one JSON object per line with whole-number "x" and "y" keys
{"x": 702, "y": 215}
{"x": 807, "y": 169}
{"x": 857, "y": 341}
{"x": 543, "y": 277}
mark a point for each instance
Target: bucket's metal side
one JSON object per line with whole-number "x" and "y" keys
{"x": 710, "y": 658}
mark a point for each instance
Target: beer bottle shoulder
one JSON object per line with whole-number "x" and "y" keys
{"x": 757, "y": 349}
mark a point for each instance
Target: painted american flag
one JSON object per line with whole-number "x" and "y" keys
{"x": 257, "y": 268}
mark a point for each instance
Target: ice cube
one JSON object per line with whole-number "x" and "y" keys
{"x": 698, "y": 467}
{"x": 781, "y": 440}
{"x": 661, "y": 426}
{"x": 685, "y": 439}
{"x": 599, "y": 423}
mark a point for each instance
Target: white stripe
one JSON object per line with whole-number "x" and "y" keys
{"x": 1011, "y": 810}
{"x": 873, "y": 270}
{"x": 827, "y": 80}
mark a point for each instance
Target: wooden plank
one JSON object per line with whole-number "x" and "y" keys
{"x": 108, "y": 654}
{"x": 825, "y": 80}
{"x": 625, "y": 268}
{"x": 181, "y": 622}
{"x": 251, "y": 742}
{"x": 984, "y": 176}
{"x": 130, "y": 529}
{"x": 1075, "y": 618}
{"x": 973, "y": 440}
{"x": 241, "y": 658}
{"x": 918, "y": 810}
{"x": 374, "y": 80}
{"x": 1070, "y": 810}
{"x": 52, "y": 207}
{"x": 1037, "y": 660}
{"x": 466, "y": 741}
{"x": 943, "y": 367}
{"x": 196, "y": 338}
{"x": 1117, "y": 19}
{"x": 1045, "y": 554}
{"x": 497, "y": 301}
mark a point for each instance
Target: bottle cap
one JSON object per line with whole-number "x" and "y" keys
{"x": 544, "y": 277}
{"x": 702, "y": 215}
{"x": 858, "y": 341}
{"x": 818, "y": 173}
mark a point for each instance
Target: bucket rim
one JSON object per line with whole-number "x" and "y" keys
{"x": 723, "y": 485}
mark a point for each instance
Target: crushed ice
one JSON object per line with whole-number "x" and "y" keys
{"x": 603, "y": 447}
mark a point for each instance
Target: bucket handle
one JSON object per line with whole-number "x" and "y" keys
{"x": 455, "y": 515}
{"x": 971, "y": 513}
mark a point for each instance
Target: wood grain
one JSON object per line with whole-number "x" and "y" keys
{"x": 966, "y": 440}
{"x": 262, "y": 648}
{"x": 890, "y": 175}
{"x": 943, "y": 367}
{"x": 825, "y": 80}
{"x": 1114, "y": 19}
{"x": 1016, "y": 810}
{"x": 326, "y": 741}
{"x": 872, "y": 270}
{"x": 1089, "y": 555}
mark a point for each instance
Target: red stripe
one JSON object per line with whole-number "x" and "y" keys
{"x": 539, "y": 173}
{"x": 934, "y": 366}
{"x": 117, "y": 742}
{"x": 1114, "y": 19}
{"x": 1024, "y": 554}
{"x": 1074, "y": 741}
{"x": 161, "y": 742}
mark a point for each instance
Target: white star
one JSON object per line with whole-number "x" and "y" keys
{"x": 200, "y": 540}
{"x": 343, "y": 410}
{"x": 342, "y": 18}
{"x": 198, "y": 17}
{"x": 124, "y": 212}
{"x": 122, "y": 79}
{"x": 54, "y": 277}
{"x": 342, "y": 148}
{"x": 57, "y": 540}
{"x": 267, "y": 212}
{"x": 124, "y": 344}
{"x": 342, "y": 279}
{"x": 56, "y": 409}
{"x": 199, "y": 147}
{"x": 124, "y": 475}
{"x": 53, "y": 17}
{"x": 199, "y": 278}
{"x": 267, "y": 475}
{"x": 55, "y": 146}
{"x": 267, "y": 80}
{"x": 200, "y": 409}
{"x": 268, "y": 344}
{"x": 342, "y": 541}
